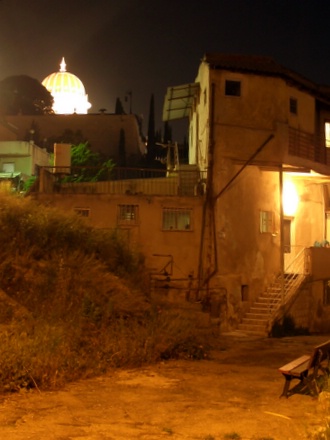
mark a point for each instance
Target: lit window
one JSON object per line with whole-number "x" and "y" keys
{"x": 327, "y": 134}
{"x": 83, "y": 212}
{"x": 233, "y": 88}
{"x": 293, "y": 106}
{"x": 128, "y": 214}
{"x": 176, "y": 219}
{"x": 266, "y": 222}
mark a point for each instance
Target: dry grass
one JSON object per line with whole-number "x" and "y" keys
{"x": 75, "y": 302}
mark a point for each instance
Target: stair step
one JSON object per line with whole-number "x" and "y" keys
{"x": 264, "y": 304}
{"x": 251, "y": 315}
{"x": 251, "y": 321}
{"x": 265, "y": 300}
{"x": 260, "y": 329}
{"x": 268, "y": 297}
{"x": 261, "y": 310}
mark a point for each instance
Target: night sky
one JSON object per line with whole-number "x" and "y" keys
{"x": 115, "y": 46}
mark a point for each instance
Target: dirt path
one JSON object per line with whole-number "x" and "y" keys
{"x": 237, "y": 391}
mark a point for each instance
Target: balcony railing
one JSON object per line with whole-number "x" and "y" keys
{"x": 308, "y": 146}
{"x": 129, "y": 181}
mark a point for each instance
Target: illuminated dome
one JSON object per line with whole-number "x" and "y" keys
{"x": 68, "y": 92}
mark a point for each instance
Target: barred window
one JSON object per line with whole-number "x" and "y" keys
{"x": 177, "y": 219}
{"x": 266, "y": 222}
{"x": 128, "y": 214}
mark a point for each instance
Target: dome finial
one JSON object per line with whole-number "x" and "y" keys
{"x": 63, "y": 66}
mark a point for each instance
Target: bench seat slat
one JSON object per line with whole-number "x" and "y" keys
{"x": 297, "y": 366}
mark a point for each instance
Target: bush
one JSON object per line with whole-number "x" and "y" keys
{"x": 75, "y": 303}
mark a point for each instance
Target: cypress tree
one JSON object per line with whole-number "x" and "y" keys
{"x": 122, "y": 149}
{"x": 151, "y": 144}
{"x": 119, "y": 109}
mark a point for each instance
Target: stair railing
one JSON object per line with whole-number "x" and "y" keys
{"x": 289, "y": 282}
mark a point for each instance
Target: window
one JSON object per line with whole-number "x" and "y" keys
{"x": 327, "y": 134}
{"x": 233, "y": 88}
{"x": 128, "y": 214}
{"x": 266, "y": 222}
{"x": 175, "y": 219}
{"x": 293, "y": 106}
{"x": 287, "y": 235}
{"x": 326, "y": 298}
{"x": 83, "y": 212}
{"x": 8, "y": 167}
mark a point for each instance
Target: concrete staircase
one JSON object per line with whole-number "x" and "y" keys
{"x": 263, "y": 312}
{"x": 268, "y": 306}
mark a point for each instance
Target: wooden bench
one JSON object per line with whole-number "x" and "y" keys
{"x": 307, "y": 369}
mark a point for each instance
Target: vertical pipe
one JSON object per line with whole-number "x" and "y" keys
{"x": 281, "y": 233}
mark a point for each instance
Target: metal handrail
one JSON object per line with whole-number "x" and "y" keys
{"x": 294, "y": 275}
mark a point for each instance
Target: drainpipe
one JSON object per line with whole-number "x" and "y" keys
{"x": 208, "y": 207}
{"x": 281, "y": 233}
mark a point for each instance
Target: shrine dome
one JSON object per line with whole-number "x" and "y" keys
{"x": 68, "y": 92}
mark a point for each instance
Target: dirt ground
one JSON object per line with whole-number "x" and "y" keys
{"x": 233, "y": 395}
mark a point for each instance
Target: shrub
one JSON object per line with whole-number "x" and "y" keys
{"x": 75, "y": 304}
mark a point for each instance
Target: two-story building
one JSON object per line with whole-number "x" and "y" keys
{"x": 262, "y": 133}
{"x": 245, "y": 225}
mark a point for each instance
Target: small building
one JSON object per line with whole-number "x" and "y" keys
{"x": 20, "y": 160}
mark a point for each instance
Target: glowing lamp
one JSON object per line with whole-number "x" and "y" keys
{"x": 290, "y": 199}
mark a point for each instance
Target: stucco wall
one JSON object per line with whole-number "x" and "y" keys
{"x": 308, "y": 309}
{"x": 147, "y": 235}
{"x": 241, "y": 124}
{"x": 25, "y": 156}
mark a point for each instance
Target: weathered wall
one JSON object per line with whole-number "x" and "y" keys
{"x": 147, "y": 235}
{"x": 25, "y": 156}
{"x": 308, "y": 309}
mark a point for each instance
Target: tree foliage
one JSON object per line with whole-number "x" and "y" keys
{"x": 119, "y": 109}
{"x": 25, "y": 95}
{"x": 122, "y": 149}
{"x": 88, "y": 165}
{"x": 151, "y": 144}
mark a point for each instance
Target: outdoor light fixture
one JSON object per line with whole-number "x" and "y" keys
{"x": 290, "y": 199}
